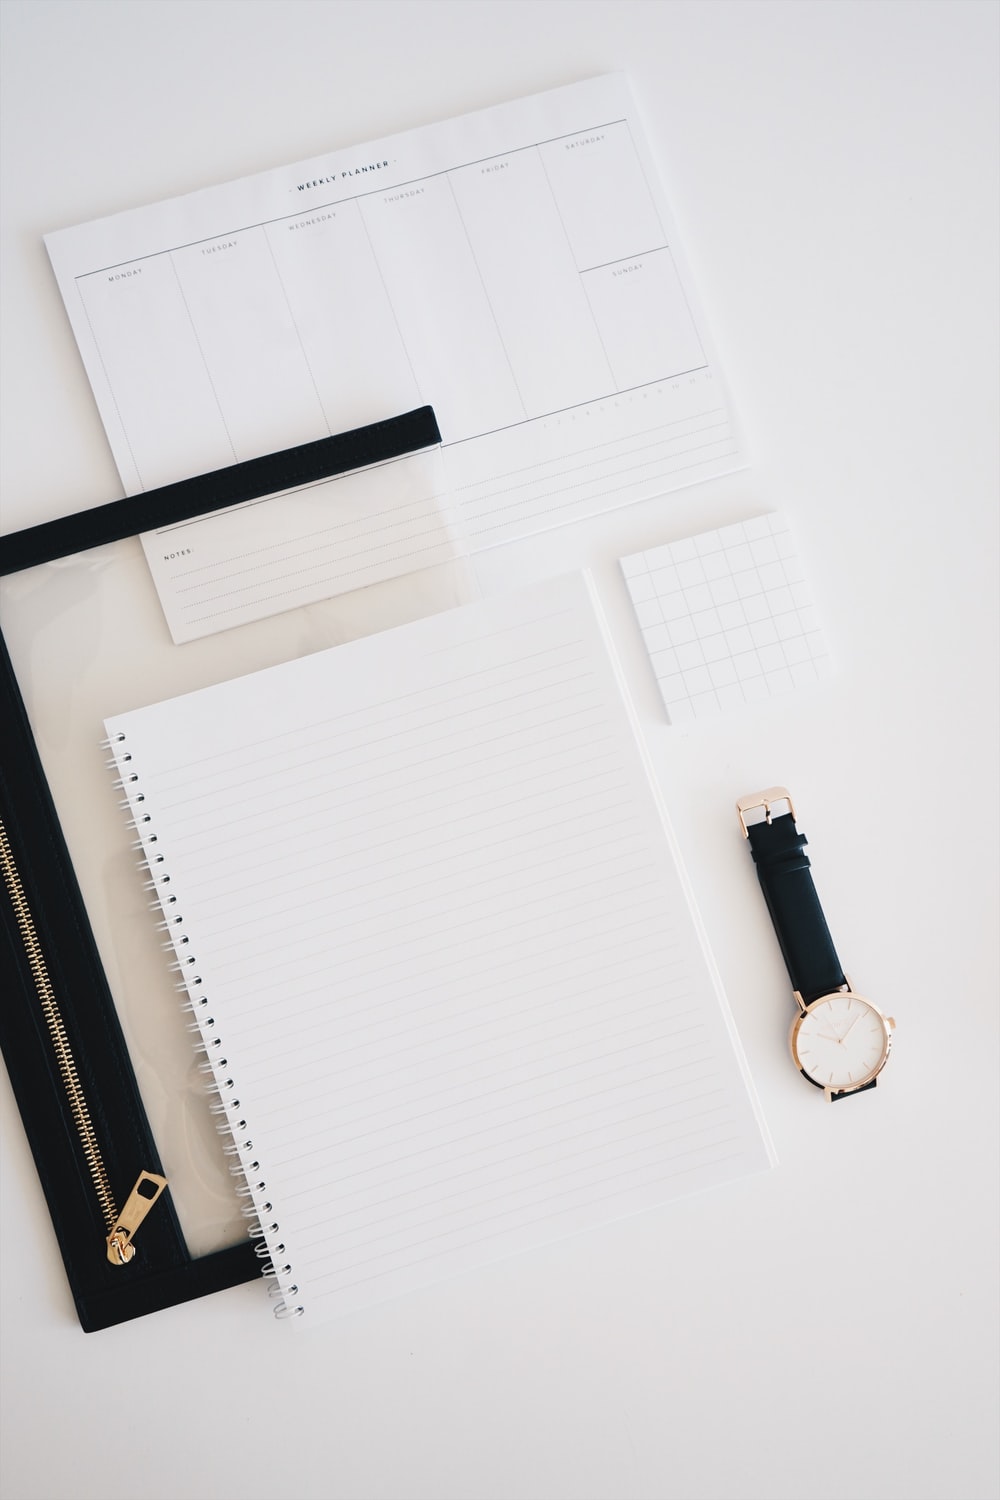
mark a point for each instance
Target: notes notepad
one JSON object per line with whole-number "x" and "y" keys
{"x": 443, "y": 959}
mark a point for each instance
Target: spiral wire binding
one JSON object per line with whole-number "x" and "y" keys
{"x": 250, "y": 1182}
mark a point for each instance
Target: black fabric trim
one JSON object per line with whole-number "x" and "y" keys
{"x": 363, "y": 446}
{"x": 93, "y": 1032}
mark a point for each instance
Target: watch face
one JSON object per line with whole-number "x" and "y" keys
{"x": 840, "y": 1041}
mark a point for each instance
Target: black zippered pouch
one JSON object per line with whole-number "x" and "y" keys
{"x": 84, "y": 983}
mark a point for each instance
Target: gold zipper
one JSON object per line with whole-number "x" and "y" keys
{"x": 122, "y": 1226}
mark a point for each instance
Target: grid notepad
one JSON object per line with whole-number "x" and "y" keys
{"x": 727, "y": 617}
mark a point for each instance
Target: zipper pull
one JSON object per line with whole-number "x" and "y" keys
{"x": 140, "y": 1200}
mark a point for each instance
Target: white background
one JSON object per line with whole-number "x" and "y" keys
{"x": 827, "y": 1331}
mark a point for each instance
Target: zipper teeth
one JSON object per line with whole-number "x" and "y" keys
{"x": 57, "y": 1033}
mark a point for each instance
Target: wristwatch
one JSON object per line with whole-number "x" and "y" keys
{"x": 839, "y": 1041}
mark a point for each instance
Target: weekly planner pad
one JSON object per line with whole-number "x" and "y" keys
{"x": 444, "y": 964}
{"x": 517, "y": 268}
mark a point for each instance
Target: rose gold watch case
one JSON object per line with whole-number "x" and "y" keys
{"x": 888, "y": 1026}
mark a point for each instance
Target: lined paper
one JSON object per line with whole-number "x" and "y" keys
{"x": 430, "y": 918}
{"x": 300, "y": 546}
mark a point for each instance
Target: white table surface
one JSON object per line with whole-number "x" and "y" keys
{"x": 829, "y": 1330}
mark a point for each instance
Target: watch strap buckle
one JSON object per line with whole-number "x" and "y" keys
{"x": 767, "y": 800}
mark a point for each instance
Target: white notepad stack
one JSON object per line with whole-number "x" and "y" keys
{"x": 727, "y": 618}
{"x": 444, "y": 961}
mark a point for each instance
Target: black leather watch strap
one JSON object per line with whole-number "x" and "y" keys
{"x": 783, "y": 869}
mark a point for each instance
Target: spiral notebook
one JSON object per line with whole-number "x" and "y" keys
{"x": 427, "y": 912}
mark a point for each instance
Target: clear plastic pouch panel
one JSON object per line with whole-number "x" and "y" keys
{"x": 88, "y": 638}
